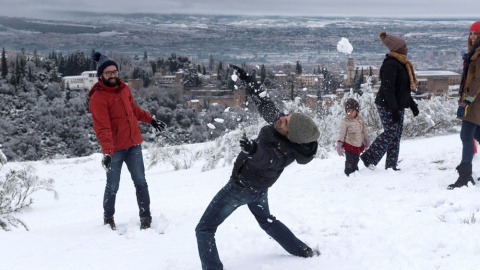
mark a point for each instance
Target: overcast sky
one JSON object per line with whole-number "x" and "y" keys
{"x": 371, "y": 8}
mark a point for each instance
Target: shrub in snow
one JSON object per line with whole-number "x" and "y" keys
{"x": 180, "y": 157}
{"x": 16, "y": 188}
{"x": 437, "y": 116}
{"x": 225, "y": 149}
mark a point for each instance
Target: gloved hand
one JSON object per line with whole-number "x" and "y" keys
{"x": 249, "y": 147}
{"x": 158, "y": 125}
{"x": 414, "y": 109}
{"x": 396, "y": 116}
{"x": 463, "y": 107}
{"x": 107, "y": 163}
{"x": 242, "y": 75}
{"x": 366, "y": 143}
{"x": 340, "y": 150}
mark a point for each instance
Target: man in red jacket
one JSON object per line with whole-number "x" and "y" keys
{"x": 115, "y": 121}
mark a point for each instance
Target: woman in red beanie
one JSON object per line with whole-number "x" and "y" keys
{"x": 469, "y": 106}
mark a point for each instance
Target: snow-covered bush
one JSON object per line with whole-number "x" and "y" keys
{"x": 437, "y": 116}
{"x": 16, "y": 188}
{"x": 180, "y": 157}
{"x": 225, "y": 149}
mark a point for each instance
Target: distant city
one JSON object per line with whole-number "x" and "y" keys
{"x": 273, "y": 41}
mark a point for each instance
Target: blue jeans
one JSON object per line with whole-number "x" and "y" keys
{"x": 227, "y": 200}
{"x": 133, "y": 158}
{"x": 468, "y": 132}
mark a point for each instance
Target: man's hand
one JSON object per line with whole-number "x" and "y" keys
{"x": 249, "y": 147}
{"x": 107, "y": 163}
{"x": 242, "y": 75}
{"x": 158, "y": 125}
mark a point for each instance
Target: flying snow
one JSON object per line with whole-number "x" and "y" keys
{"x": 344, "y": 46}
{"x": 211, "y": 126}
{"x": 219, "y": 120}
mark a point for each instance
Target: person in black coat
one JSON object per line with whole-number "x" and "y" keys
{"x": 286, "y": 139}
{"x": 397, "y": 81}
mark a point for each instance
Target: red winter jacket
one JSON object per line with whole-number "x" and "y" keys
{"x": 115, "y": 117}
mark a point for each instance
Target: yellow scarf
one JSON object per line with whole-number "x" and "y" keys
{"x": 402, "y": 58}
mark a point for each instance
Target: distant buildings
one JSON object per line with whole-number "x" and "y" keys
{"x": 431, "y": 83}
{"x": 437, "y": 82}
{"x": 85, "y": 81}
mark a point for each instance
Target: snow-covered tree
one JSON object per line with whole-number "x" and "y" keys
{"x": 16, "y": 188}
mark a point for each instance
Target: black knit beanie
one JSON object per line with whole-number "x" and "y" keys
{"x": 102, "y": 62}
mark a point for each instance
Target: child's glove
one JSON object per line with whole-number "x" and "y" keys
{"x": 366, "y": 143}
{"x": 463, "y": 107}
{"x": 340, "y": 150}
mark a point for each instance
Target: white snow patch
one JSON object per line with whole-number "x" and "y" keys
{"x": 211, "y": 126}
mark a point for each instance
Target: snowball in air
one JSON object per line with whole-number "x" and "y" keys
{"x": 219, "y": 120}
{"x": 344, "y": 46}
{"x": 234, "y": 77}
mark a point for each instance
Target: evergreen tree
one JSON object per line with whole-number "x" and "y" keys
{"x": 4, "y": 64}
{"x": 211, "y": 63}
{"x": 263, "y": 73}
{"x": 220, "y": 69}
{"x": 298, "y": 68}
{"x": 153, "y": 64}
{"x": 145, "y": 57}
{"x": 36, "y": 59}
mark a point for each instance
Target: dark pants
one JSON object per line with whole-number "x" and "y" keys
{"x": 227, "y": 200}
{"x": 133, "y": 158}
{"x": 351, "y": 162}
{"x": 388, "y": 141}
{"x": 468, "y": 132}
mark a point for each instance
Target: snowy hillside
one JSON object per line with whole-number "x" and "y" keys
{"x": 372, "y": 220}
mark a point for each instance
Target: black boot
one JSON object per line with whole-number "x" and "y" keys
{"x": 309, "y": 252}
{"x": 110, "y": 222}
{"x": 145, "y": 224}
{"x": 367, "y": 162}
{"x": 465, "y": 176}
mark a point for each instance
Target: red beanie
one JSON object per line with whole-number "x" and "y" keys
{"x": 475, "y": 27}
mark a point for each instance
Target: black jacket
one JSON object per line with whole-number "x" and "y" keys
{"x": 274, "y": 152}
{"x": 394, "y": 93}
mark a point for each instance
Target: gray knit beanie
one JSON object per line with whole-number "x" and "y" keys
{"x": 302, "y": 129}
{"x": 102, "y": 62}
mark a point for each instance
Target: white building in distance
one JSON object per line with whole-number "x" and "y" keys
{"x": 85, "y": 81}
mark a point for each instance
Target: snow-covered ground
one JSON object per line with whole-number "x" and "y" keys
{"x": 371, "y": 220}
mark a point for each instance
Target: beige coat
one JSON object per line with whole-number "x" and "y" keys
{"x": 353, "y": 131}
{"x": 472, "y": 88}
